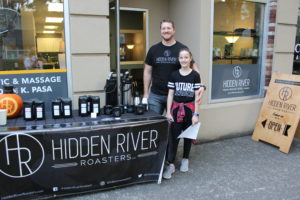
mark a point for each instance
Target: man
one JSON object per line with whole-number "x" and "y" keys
{"x": 161, "y": 61}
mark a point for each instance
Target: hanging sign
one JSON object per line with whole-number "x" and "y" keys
{"x": 279, "y": 116}
{"x": 48, "y": 163}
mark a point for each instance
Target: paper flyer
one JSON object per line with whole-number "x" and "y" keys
{"x": 191, "y": 132}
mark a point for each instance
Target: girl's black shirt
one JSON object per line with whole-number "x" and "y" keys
{"x": 184, "y": 86}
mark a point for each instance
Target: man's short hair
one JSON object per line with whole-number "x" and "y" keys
{"x": 167, "y": 21}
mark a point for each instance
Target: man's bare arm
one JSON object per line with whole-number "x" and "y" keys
{"x": 194, "y": 67}
{"x": 201, "y": 90}
{"x": 147, "y": 79}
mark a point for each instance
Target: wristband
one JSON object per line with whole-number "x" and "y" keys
{"x": 196, "y": 114}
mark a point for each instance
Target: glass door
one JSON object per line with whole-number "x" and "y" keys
{"x": 133, "y": 42}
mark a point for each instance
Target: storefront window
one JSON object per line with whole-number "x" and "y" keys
{"x": 31, "y": 35}
{"x": 32, "y": 48}
{"x": 296, "y": 66}
{"x": 237, "y": 47}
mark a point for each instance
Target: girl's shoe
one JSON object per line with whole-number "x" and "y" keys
{"x": 169, "y": 171}
{"x": 184, "y": 167}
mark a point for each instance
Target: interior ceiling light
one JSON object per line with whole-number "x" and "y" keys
{"x": 49, "y": 32}
{"x": 50, "y": 27}
{"x": 54, "y": 19}
{"x": 130, "y": 46}
{"x": 231, "y": 39}
{"x": 55, "y": 7}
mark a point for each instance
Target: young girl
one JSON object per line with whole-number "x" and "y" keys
{"x": 181, "y": 109}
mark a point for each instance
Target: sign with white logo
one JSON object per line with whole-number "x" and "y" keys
{"x": 237, "y": 72}
{"x": 42, "y": 86}
{"x": 280, "y": 113}
{"x": 24, "y": 155}
{"x": 231, "y": 81}
{"x": 42, "y": 163}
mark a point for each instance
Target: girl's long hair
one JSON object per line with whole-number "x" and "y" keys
{"x": 192, "y": 61}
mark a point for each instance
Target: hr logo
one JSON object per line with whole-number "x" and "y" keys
{"x": 237, "y": 72}
{"x": 21, "y": 155}
{"x": 167, "y": 53}
{"x": 9, "y": 103}
{"x": 285, "y": 93}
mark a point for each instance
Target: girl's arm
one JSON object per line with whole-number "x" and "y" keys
{"x": 195, "y": 118}
{"x": 169, "y": 104}
{"x": 199, "y": 94}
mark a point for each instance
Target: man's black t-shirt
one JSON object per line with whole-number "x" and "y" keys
{"x": 184, "y": 86}
{"x": 164, "y": 61}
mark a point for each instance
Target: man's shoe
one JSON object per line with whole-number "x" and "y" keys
{"x": 184, "y": 167}
{"x": 169, "y": 171}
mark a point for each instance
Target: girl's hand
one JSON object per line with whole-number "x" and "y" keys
{"x": 195, "y": 120}
{"x": 169, "y": 117}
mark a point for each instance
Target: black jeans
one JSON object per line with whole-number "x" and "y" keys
{"x": 176, "y": 129}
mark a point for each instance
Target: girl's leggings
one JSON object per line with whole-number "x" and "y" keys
{"x": 176, "y": 129}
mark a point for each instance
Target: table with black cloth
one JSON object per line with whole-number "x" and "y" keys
{"x": 56, "y": 157}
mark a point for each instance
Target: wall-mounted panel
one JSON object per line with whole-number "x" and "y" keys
{"x": 283, "y": 63}
{"x": 89, "y": 7}
{"x": 287, "y": 11}
{"x": 89, "y": 34}
{"x": 89, "y": 72}
{"x": 285, "y": 38}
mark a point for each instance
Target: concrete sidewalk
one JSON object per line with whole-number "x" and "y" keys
{"x": 237, "y": 168}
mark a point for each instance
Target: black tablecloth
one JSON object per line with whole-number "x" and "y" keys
{"x": 54, "y": 157}
{"x": 75, "y": 121}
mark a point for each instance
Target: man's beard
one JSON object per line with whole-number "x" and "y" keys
{"x": 168, "y": 38}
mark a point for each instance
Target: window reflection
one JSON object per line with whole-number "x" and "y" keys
{"x": 31, "y": 35}
{"x": 237, "y": 31}
{"x": 237, "y": 45}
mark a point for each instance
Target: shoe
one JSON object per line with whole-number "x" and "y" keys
{"x": 184, "y": 167}
{"x": 169, "y": 171}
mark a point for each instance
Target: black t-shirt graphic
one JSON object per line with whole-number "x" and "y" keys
{"x": 164, "y": 61}
{"x": 184, "y": 86}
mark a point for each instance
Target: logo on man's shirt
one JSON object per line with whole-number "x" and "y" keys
{"x": 167, "y": 58}
{"x": 167, "y": 53}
